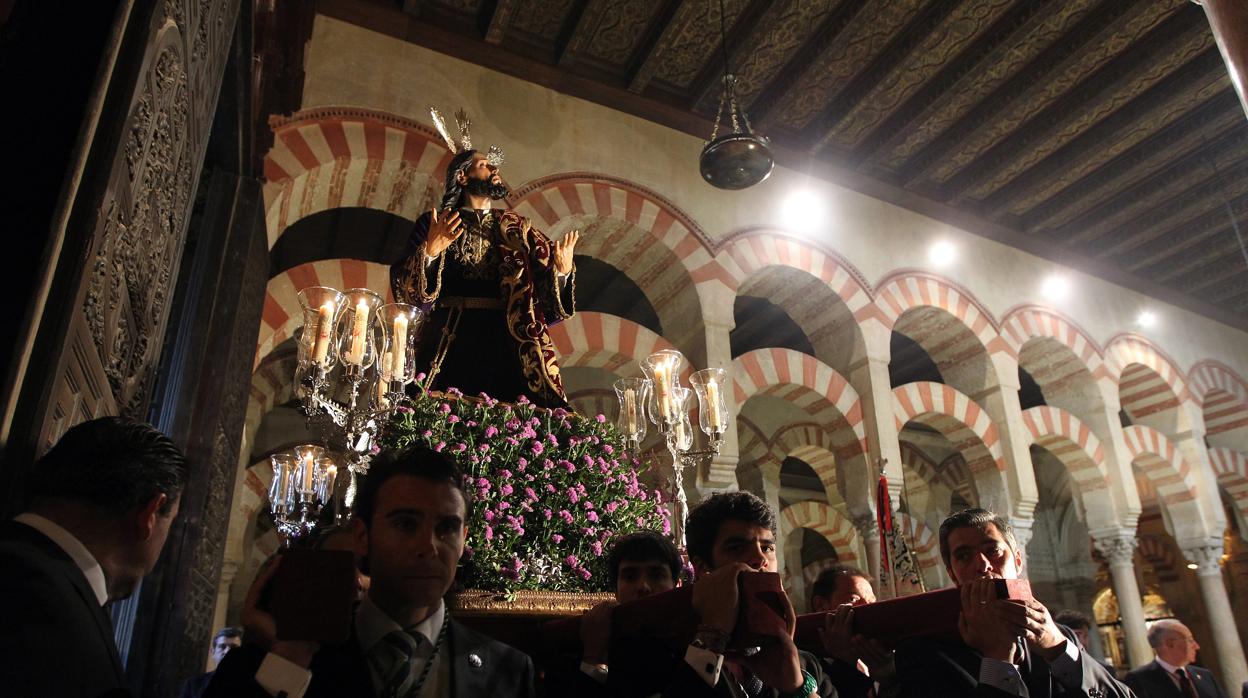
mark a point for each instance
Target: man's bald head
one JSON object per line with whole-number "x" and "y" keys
{"x": 1172, "y": 642}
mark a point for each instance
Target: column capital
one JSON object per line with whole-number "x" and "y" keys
{"x": 1206, "y": 556}
{"x": 866, "y": 524}
{"x": 1022, "y": 530}
{"x": 1118, "y": 547}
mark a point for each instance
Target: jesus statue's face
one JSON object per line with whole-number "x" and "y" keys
{"x": 480, "y": 178}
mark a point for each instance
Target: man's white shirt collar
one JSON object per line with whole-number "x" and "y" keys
{"x": 372, "y": 624}
{"x": 1170, "y": 668}
{"x": 74, "y": 548}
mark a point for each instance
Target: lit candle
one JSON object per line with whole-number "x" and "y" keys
{"x": 359, "y": 331}
{"x": 712, "y": 403}
{"x": 327, "y": 483}
{"x": 324, "y": 330}
{"x": 309, "y": 472}
{"x": 400, "y": 348}
{"x": 662, "y": 386}
{"x": 630, "y": 410}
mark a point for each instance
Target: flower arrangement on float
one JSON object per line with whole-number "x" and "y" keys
{"x": 550, "y": 489}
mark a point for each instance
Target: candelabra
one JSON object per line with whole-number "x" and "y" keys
{"x": 303, "y": 483}
{"x": 356, "y": 356}
{"x": 662, "y": 398}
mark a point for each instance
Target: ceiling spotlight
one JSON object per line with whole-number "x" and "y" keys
{"x": 802, "y": 209}
{"x": 1193, "y": 566}
{"x": 1055, "y": 288}
{"x": 942, "y": 253}
{"x": 1146, "y": 319}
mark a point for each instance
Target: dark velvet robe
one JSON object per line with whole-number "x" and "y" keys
{"x": 502, "y": 262}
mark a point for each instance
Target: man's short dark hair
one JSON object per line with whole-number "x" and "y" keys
{"x": 825, "y": 583}
{"x": 229, "y": 633}
{"x": 974, "y": 518}
{"x": 112, "y": 463}
{"x": 704, "y": 521}
{"x": 1073, "y": 620}
{"x": 416, "y": 460}
{"x": 644, "y": 546}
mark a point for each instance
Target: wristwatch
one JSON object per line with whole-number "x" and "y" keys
{"x": 808, "y": 687}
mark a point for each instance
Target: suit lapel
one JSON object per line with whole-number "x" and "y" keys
{"x": 470, "y": 664}
{"x": 103, "y": 623}
{"x": 1162, "y": 681}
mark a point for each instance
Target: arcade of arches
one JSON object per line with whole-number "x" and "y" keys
{"x": 1120, "y": 454}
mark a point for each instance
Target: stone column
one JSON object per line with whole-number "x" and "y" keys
{"x": 1208, "y": 558}
{"x": 1118, "y": 547}
{"x": 869, "y": 532}
{"x": 1229, "y": 21}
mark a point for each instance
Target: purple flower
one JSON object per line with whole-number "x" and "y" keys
{"x": 439, "y": 446}
{"x": 640, "y": 521}
{"x": 404, "y": 409}
{"x": 505, "y": 490}
{"x": 488, "y": 515}
{"x": 489, "y": 532}
{"x": 608, "y": 449}
{"x": 573, "y": 495}
{"x": 550, "y": 487}
{"x": 504, "y": 474}
{"x": 491, "y": 432}
{"x": 454, "y": 391}
{"x": 531, "y": 496}
{"x": 612, "y": 506}
{"x": 592, "y": 516}
{"x": 553, "y": 441}
{"x": 585, "y": 574}
{"x": 512, "y": 424}
{"x": 596, "y": 547}
{"x": 503, "y": 505}
{"x": 484, "y": 484}
{"x": 667, "y": 527}
{"x": 589, "y": 460}
{"x": 537, "y": 448}
{"x": 522, "y": 400}
{"x": 512, "y": 441}
{"x": 565, "y": 515}
{"x": 461, "y": 447}
{"x": 428, "y": 433}
{"x": 547, "y": 464}
{"x": 602, "y": 419}
{"x": 572, "y": 561}
{"x": 444, "y": 408}
{"x": 420, "y": 378}
{"x": 453, "y": 418}
{"x": 557, "y": 538}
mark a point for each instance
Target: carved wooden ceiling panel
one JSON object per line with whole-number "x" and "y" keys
{"x": 1107, "y": 131}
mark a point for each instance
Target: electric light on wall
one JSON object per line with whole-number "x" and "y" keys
{"x": 942, "y": 253}
{"x": 1146, "y": 319}
{"x": 1055, "y": 288}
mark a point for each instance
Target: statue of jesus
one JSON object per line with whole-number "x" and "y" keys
{"x": 491, "y": 284}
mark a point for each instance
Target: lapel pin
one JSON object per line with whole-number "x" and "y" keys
{"x": 474, "y": 661}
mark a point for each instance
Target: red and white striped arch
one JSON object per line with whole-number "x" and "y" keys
{"x": 1231, "y": 468}
{"x": 1032, "y": 322}
{"x": 1158, "y": 553}
{"x": 812, "y": 444}
{"x": 1222, "y": 394}
{"x": 1149, "y": 382}
{"x": 635, "y": 230}
{"x": 1071, "y": 442}
{"x": 753, "y": 446}
{"x": 282, "y": 314}
{"x": 808, "y": 383}
{"x": 272, "y": 384}
{"x": 959, "y": 418}
{"x": 907, "y": 290}
{"x": 332, "y": 157}
{"x": 598, "y": 340}
{"x": 595, "y": 401}
{"x": 1059, "y": 355}
{"x": 745, "y": 254}
{"x": 827, "y": 522}
{"x": 1160, "y": 462}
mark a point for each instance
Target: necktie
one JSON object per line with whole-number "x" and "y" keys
{"x": 395, "y": 657}
{"x": 1185, "y": 684}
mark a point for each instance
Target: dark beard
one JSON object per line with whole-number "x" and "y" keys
{"x": 484, "y": 187}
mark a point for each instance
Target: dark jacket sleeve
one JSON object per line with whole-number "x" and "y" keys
{"x": 1097, "y": 680}
{"x": 849, "y": 682}
{"x": 407, "y": 274}
{"x": 235, "y": 676}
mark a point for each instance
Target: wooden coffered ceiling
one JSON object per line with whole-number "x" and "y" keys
{"x": 1101, "y": 133}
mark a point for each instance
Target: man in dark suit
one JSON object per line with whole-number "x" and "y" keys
{"x": 101, "y": 504}
{"x": 731, "y": 533}
{"x": 410, "y": 524}
{"x": 1006, "y": 648}
{"x": 857, "y": 665}
{"x": 225, "y": 640}
{"x": 1171, "y": 673}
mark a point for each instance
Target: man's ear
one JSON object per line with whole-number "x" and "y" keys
{"x": 359, "y": 537}
{"x": 461, "y": 177}
{"x": 144, "y": 520}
